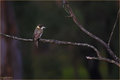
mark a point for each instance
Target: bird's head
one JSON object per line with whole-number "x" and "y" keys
{"x": 40, "y": 26}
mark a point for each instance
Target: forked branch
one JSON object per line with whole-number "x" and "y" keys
{"x": 69, "y": 10}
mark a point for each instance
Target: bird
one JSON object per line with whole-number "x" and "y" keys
{"x": 38, "y": 33}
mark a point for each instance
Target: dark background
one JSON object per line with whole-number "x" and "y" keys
{"x": 52, "y": 61}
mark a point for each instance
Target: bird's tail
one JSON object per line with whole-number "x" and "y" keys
{"x": 36, "y": 43}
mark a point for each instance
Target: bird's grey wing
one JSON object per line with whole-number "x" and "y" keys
{"x": 36, "y": 36}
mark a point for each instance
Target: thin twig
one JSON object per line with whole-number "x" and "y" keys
{"x": 69, "y": 9}
{"x": 113, "y": 29}
{"x": 103, "y": 59}
{"x": 55, "y": 42}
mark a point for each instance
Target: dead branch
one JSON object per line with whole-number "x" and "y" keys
{"x": 72, "y": 15}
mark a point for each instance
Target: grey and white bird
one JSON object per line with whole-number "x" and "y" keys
{"x": 38, "y": 33}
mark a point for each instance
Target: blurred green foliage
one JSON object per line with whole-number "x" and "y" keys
{"x": 58, "y": 61}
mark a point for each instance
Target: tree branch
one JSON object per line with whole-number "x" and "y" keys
{"x": 55, "y": 42}
{"x": 113, "y": 28}
{"x": 68, "y": 9}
